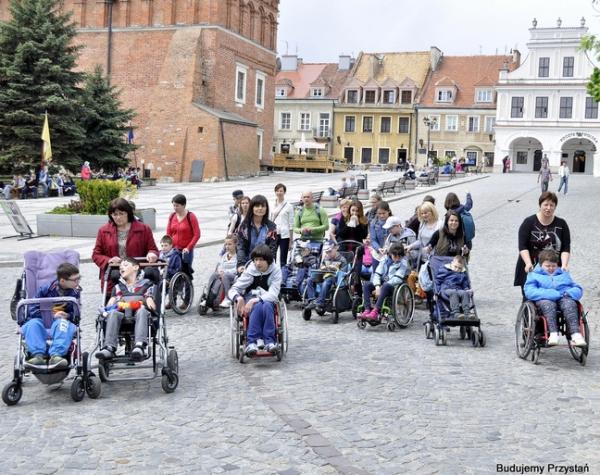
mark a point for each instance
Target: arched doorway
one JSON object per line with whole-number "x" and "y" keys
{"x": 526, "y": 154}
{"x": 579, "y": 155}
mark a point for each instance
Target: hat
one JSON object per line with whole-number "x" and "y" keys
{"x": 329, "y": 245}
{"x": 237, "y": 194}
{"x": 392, "y": 221}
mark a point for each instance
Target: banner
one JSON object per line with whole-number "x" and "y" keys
{"x": 47, "y": 146}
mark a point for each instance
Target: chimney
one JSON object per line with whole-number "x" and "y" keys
{"x": 289, "y": 62}
{"x": 344, "y": 63}
{"x": 435, "y": 57}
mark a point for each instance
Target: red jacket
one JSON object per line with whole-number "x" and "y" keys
{"x": 140, "y": 242}
{"x": 185, "y": 234}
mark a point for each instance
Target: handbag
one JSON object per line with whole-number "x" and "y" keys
{"x": 424, "y": 279}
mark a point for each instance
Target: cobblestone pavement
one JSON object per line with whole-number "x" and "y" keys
{"x": 344, "y": 400}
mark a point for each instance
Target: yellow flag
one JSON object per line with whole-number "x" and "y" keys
{"x": 47, "y": 147}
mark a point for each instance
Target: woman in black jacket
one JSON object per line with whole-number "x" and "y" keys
{"x": 450, "y": 240}
{"x": 255, "y": 229}
{"x": 355, "y": 228}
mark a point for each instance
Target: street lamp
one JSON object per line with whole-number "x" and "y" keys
{"x": 430, "y": 123}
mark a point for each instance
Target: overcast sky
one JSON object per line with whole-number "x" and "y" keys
{"x": 320, "y": 30}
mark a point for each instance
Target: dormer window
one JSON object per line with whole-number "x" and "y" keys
{"x": 389, "y": 97}
{"x": 406, "y": 97}
{"x": 484, "y": 95}
{"x": 317, "y": 92}
{"x": 444, "y": 95}
{"x": 281, "y": 92}
{"x": 352, "y": 96}
{"x": 370, "y": 96}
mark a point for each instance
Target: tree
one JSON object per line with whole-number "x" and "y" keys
{"x": 105, "y": 124}
{"x": 37, "y": 60}
{"x": 592, "y": 43}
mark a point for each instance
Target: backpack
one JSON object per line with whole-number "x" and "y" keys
{"x": 468, "y": 225}
{"x": 187, "y": 216}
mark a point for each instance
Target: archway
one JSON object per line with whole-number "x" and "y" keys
{"x": 579, "y": 154}
{"x": 526, "y": 154}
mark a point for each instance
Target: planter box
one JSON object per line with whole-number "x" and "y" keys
{"x": 460, "y": 174}
{"x": 444, "y": 177}
{"x": 363, "y": 195}
{"x": 410, "y": 184}
{"x": 329, "y": 201}
{"x": 83, "y": 225}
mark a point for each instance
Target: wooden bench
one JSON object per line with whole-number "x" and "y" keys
{"x": 348, "y": 191}
{"x": 400, "y": 184}
{"x": 385, "y": 187}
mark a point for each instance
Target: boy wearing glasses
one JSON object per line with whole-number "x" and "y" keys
{"x": 62, "y": 329}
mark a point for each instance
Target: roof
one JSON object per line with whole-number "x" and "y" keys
{"x": 301, "y": 79}
{"x": 396, "y": 66}
{"x": 466, "y": 73}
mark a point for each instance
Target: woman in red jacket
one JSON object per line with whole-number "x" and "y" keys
{"x": 184, "y": 229}
{"x": 123, "y": 236}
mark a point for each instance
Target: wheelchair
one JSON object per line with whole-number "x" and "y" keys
{"x": 213, "y": 293}
{"x": 161, "y": 358}
{"x": 531, "y": 331}
{"x": 239, "y": 330}
{"x": 39, "y": 269}
{"x": 396, "y": 312}
{"x": 181, "y": 293}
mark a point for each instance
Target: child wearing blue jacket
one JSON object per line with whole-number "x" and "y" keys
{"x": 548, "y": 286}
{"x": 171, "y": 256}
{"x": 390, "y": 272}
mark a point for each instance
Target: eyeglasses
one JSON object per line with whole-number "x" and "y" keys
{"x": 74, "y": 279}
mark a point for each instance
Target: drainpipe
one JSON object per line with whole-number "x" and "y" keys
{"x": 416, "y": 135}
{"x": 224, "y": 151}
{"x": 109, "y": 46}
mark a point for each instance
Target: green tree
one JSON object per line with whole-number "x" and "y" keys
{"x": 105, "y": 124}
{"x": 592, "y": 43}
{"x": 37, "y": 60}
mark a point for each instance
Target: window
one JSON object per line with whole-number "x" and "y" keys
{"x": 281, "y": 92}
{"x": 366, "y": 155}
{"x": 403, "y": 125}
{"x": 541, "y": 107}
{"x": 444, "y": 95}
{"x": 241, "y": 73}
{"x": 516, "y": 107}
{"x": 591, "y": 108}
{"x": 324, "y": 125}
{"x": 566, "y": 108}
{"x": 349, "y": 154}
{"x": 521, "y": 158}
{"x": 473, "y": 124}
{"x": 367, "y": 124}
{"x": 452, "y": 123}
{"x": 260, "y": 90}
{"x": 285, "y": 148}
{"x": 568, "y": 63}
{"x": 386, "y": 125}
{"x": 350, "y": 125}
{"x": 484, "y": 95}
{"x": 471, "y": 159}
{"x": 352, "y": 96}
{"x": 317, "y": 92}
{"x": 384, "y": 155}
{"x": 490, "y": 122}
{"x": 304, "y": 120}
{"x": 370, "y": 97}
{"x": 406, "y": 97}
{"x": 389, "y": 97}
{"x": 285, "y": 121}
{"x": 544, "y": 68}
{"x": 450, "y": 153}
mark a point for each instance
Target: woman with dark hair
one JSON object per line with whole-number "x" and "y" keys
{"x": 256, "y": 229}
{"x": 237, "y": 218}
{"x": 450, "y": 239}
{"x": 453, "y": 203}
{"x": 123, "y": 236}
{"x": 354, "y": 228}
{"x": 541, "y": 231}
{"x": 184, "y": 229}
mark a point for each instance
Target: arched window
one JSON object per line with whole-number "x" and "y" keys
{"x": 252, "y": 14}
{"x": 272, "y": 32}
{"x": 263, "y": 25}
{"x": 242, "y": 18}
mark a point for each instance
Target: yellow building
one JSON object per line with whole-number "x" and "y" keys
{"x": 374, "y": 118}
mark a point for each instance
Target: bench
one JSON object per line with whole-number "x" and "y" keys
{"x": 385, "y": 187}
{"x": 348, "y": 191}
{"x": 148, "y": 182}
{"x": 445, "y": 177}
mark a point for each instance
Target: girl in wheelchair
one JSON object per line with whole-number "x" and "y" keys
{"x": 255, "y": 294}
{"x": 550, "y": 287}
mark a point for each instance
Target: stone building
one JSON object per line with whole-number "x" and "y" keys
{"x": 199, "y": 74}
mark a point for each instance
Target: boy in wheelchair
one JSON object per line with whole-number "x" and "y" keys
{"x": 171, "y": 256}
{"x": 62, "y": 330}
{"x": 551, "y": 287}
{"x": 132, "y": 299}
{"x": 332, "y": 263}
{"x": 255, "y": 294}
{"x": 390, "y": 272}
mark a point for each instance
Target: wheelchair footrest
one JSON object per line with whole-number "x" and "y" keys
{"x": 463, "y": 322}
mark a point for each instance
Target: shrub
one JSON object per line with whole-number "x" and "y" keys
{"x": 95, "y": 196}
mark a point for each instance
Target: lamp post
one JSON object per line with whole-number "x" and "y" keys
{"x": 429, "y": 122}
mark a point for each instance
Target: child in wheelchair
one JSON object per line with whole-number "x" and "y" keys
{"x": 255, "y": 294}
{"x": 63, "y": 329}
{"x": 171, "y": 256}
{"x": 455, "y": 286}
{"x": 133, "y": 299}
{"x": 390, "y": 272}
{"x": 227, "y": 268}
{"x": 333, "y": 262}
{"x": 550, "y": 287}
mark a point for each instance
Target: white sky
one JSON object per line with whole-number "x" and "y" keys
{"x": 321, "y": 30}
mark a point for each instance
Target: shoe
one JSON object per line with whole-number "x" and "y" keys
{"x": 578, "y": 340}
{"x": 36, "y": 360}
{"x": 251, "y": 350}
{"x": 553, "y": 339}
{"x": 260, "y": 343}
{"x": 374, "y": 315}
{"x": 137, "y": 354}
{"x": 320, "y": 310}
{"x": 106, "y": 353}
{"x": 366, "y": 313}
{"x": 311, "y": 305}
{"x": 459, "y": 316}
{"x": 225, "y": 303}
{"x": 271, "y": 348}
{"x": 472, "y": 315}
{"x": 57, "y": 362}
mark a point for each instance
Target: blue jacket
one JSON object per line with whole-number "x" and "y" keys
{"x": 542, "y": 286}
{"x": 173, "y": 258}
{"x": 466, "y": 207}
{"x": 53, "y": 290}
{"x": 377, "y": 233}
{"x": 447, "y": 278}
{"x": 391, "y": 272}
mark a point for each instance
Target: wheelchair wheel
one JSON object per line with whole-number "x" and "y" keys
{"x": 306, "y": 314}
{"x": 12, "y": 393}
{"x": 577, "y": 352}
{"x": 475, "y": 338}
{"x": 463, "y": 333}
{"x": 436, "y": 335}
{"x": 93, "y": 386}
{"x": 403, "y": 305}
{"x": 202, "y": 305}
{"x": 428, "y": 330}
{"x": 77, "y": 389}
{"x": 235, "y": 335}
{"x": 525, "y": 329}
{"x": 356, "y": 302}
{"x": 181, "y": 293}
{"x": 169, "y": 382}
{"x": 283, "y": 318}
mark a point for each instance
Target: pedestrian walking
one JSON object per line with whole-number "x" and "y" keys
{"x": 184, "y": 230}
{"x": 545, "y": 177}
{"x": 563, "y": 173}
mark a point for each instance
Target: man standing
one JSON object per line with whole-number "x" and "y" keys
{"x": 546, "y": 176}
{"x": 311, "y": 221}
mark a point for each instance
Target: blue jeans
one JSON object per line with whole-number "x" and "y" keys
{"x": 262, "y": 323}
{"x": 325, "y": 289}
{"x": 564, "y": 180}
{"x": 385, "y": 291}
{"x": 61, "y": 332}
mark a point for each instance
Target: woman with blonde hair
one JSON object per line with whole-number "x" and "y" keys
{"x": 428, "y": 224}
{"x": 343, "y": 214}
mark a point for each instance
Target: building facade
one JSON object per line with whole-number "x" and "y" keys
{"x": 457, "y": 112}
{"x": 199, "y": 74}
{"x": 543, "y": 106}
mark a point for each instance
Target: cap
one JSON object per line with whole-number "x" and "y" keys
{"x": 237, "y": 194}
{"x": 392, "y": 221}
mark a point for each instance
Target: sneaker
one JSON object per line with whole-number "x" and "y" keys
{"x": 459, "y": 316}
{"x": 251, "y": 350}
{"x": 553, "y": 339}
{"x": 311, "y": 305}
{"x": 271, "y": 348}
{"x": 578, "y": 340}
{"x": 260, "y": 343}
{"x": 320, "y": 310}
{"x": 57, "y": 362}
{"x": 137, "y": 354}
{"x": 225, "y": 303}
{"x": 366, "y": 313}
{"x": 106, "y": 353}
{"x": 36, "y": 360}
{"x": 374, "y": 315}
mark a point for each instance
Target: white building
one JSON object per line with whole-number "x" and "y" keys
{"x": 543, "y": 107}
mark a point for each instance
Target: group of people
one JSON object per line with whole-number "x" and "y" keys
{"x": 131, "y": 174}
{"x": 39, "y": 183}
